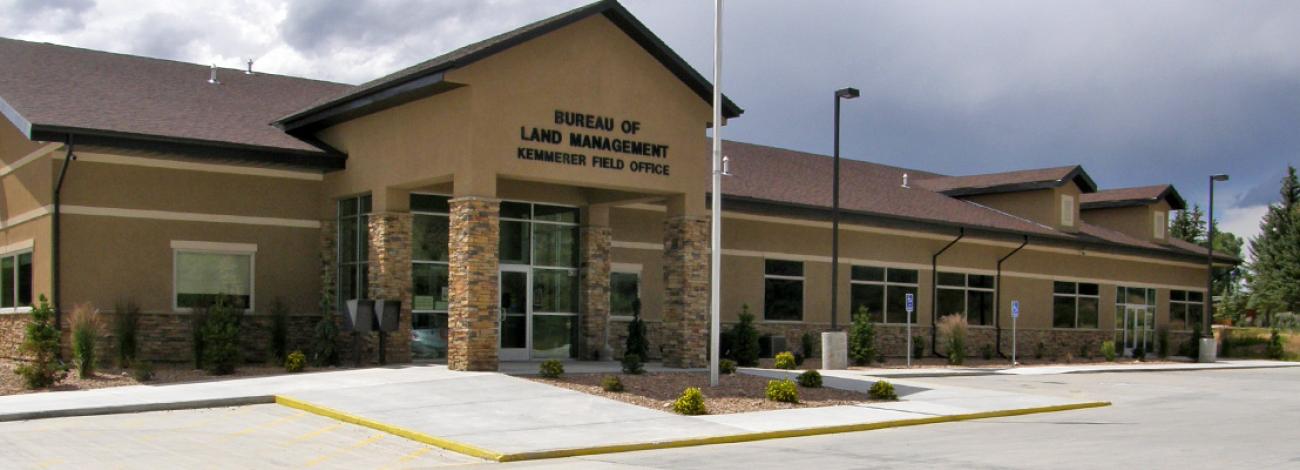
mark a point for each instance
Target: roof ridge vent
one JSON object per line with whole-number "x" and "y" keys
{"x": 249, "y": 70}
{"x": 905, "y": 181}
{"x": 212, "y": 77}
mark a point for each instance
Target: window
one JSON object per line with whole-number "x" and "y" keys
{"x": 970, "y": 295}
{"x": 543, "y": 241}
{"x": 1075, "y": 305}
{"x": 1161, "y": 221}
{"x": 353, "y": 249}
{"x": 16, "y": 281}
{"x": 1186, "y": 310}
{"x": 1067, "y": 210}
{"x": 782, "y": 290}
{"x": 430, "y": 231}
{"x": 205, "y": 272}
{"x": 883, "y": 291}
{"x": 624, "y": 290}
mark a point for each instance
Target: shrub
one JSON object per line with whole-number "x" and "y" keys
{"x": 882, "y": 390}
{"x": 798, "y": 359}
{"x": 727, "y": 366}
{"x": 785, "y": 361}
{"x": 862, "y": 338}
{"x": 986, "y": 352}
{"x": 636, "y": 336}
{"x": 1275, "y": 348}
{"x": 783, "y": 391}
{"x": 126, "y": 327}
{"x": 918, "y": 346}
{"x": 41, "y": 345}
{"x": 1085, "y": 350}
{"x": 691, "y": 403}
{"x": 1225, "y": 347}
{"x": 1040, "y": 350}
{"x": 810, "y": 379}
{"x": 745, "y": 335}
{"x": 611, "y": 383}
{"x": 221, "y": 353}
{"x": 953, "y": 330}
{"x": 295, "y": 362}
{"x": 1162, "y": 342}
{"x": 142, "y": 371}
{"x": 806, "y": 344}
{"x": 324, "y": 340}
{"x": 198, "y": 320}
{"x": 1140, "y": 353}
{"x": 1194, "y": 345}
{"x": 632, "y": 364}
{"x": 85, "y": 330}
{"x": 551, "y": 369}
{"x": 279, "y": 346}
{"x": 1108, "y": 350}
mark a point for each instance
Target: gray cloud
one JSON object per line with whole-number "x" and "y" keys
{"x": 47, "y": 15}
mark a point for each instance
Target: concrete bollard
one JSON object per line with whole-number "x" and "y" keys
{"x": 1209, "y": 350}
{"x": 835, "y": 350}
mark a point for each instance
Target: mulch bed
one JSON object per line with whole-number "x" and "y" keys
{"x": 12, "y": 384}
{"x": 737, "y": 393}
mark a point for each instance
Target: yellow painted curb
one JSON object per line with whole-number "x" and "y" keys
{"x": 394, "y": 430}
{"x": 696, "y": 441}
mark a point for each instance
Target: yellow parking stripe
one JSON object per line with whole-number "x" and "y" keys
{"x": 357, "y": 445}
{"x": 266, "y": 426}
{"x": 411, "y": 456}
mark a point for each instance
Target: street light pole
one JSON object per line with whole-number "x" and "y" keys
{"x": 1209, "y": 261}
{"x": 848, "y": 94}
{"x": 715, "y": 242}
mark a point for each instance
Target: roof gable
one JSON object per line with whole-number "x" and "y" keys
{"x": 427, "y": 78}
{"x": 1131, "y": 197}
{"x": 1010, "y": 181}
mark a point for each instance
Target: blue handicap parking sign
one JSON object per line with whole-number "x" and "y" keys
{"x": 1015, "y": 309}
{"x": 910, "y": 304}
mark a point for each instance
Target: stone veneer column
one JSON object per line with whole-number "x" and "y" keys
{"x": 594, "y": 292}
{"x": 390, "y": 276}
{"x": 686, "y": 292}
{"x": 475, "y": 302}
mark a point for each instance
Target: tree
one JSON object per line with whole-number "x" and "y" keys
{"x": 1189, "y": 226}
{"x": 745, "y": 349}
{"x": 862, "y": 338}
{"x": 1274, "y": 286}
{"x": 636, "y": 338}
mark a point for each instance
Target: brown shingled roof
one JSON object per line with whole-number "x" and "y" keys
{"x": 49, "y": 89}
{"x": 1010, "y": 181}
{"x": 1138, "y": 196}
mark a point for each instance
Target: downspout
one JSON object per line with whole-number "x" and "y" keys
{"x": 934, "y": 292}
{"x": 997, "y": 298}
{"x": 54, "y": 242}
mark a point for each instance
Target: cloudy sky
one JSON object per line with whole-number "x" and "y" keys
{"x": 1138, "y": 92}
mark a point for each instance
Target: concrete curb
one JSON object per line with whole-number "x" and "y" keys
{"x": 139, "y": 408}
{"x": 482, "y": 453}
{"x": 1117, "y": 370}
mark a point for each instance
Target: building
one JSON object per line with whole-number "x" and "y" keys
{"x": 517, "y": 195}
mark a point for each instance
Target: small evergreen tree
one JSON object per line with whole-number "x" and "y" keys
{"x": 636, "y": 343}
{"x": 279, "y": 331}
{"x": 324, "y": 344}
{"x": 745, "y": 336}
{"x": 221, "y": 353}
{"x": 41, "y": 345}
{"x": 862, "y": 338}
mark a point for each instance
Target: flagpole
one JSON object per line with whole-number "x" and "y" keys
{"x": 715, "y": 246}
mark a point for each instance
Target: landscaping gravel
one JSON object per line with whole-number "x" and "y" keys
{"x": 736, "y": 393}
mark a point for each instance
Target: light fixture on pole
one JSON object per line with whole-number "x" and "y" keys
{"x": 715, "y": 208}
{"x": 1209, "y": 262}
{"x": 847, "y": 94}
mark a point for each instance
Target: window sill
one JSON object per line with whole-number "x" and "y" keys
{"x": 15, "y": 311}
{"x": 1081, "y": 329}
{"x": 782, "y": 322}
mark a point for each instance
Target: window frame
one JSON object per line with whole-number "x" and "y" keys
{"x": 1076, "y": 296}
{"x": 1067, "y": 210}
{"x": 1187, "y": 325}
{"x": 965, "y": 298}
{"x": 435, "y": 311}
{"x": 623, "y": 268}
{"x": 885, "y": 284}
{"x": 1161, "y": 221}
{"x": 15, "y": 251}
{"x": 220, "y": 248}
{"x": 361, "y": 264}
{"x": 803, "y": 288}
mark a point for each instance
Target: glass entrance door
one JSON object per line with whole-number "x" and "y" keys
{"x": 514, "y": 313}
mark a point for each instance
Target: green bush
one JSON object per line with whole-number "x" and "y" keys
{"x": 810, "y": 379}
{"x": 1140, "y": 353}
{"x": 611, "y": 383}
{"x": 632, "y": 364}
{"x": 324, "y": 340}
{"x": 952, "y": 328}
{"x": 806, "y": 344}
{"x": 986, "y": 352}
{"x": 1226, "y": 344}
{"x": 691, "y": 403}
{"x": 551, "y": 369}
{"x": 882, "y": 390}
{"x": 1275, "y": 349}
{"x": 783, "y": 391}
{"x": 85, "y": 330}
{"x": 295, "y": 362}
{"x": 198, "y": 320}
{"x": 727, "y": 366}
{"x": 1085, "y": 350}
{"x": 862, "y": 338}
{"x": 41, "y": 345}
{"x": 785, "y": 361}
{"x": 1162, "y": 342}
{"x": 126, "y": 327}
{"x": 221, "y": 352}
{"x": 142, "y": 371}
{"x": 1108, "y": 350}
{"x": 636, "y": 334}
{"x": 745, "y": 335}
{"x": 279, "y": 331}
{"x": 918, "y": 346}
{"x": 1040, "y": 350}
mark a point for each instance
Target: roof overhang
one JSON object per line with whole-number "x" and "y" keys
{"x": 219, "y": 151}
{"x": 1076, "y": 176}
{"x": 1169, "y": 195}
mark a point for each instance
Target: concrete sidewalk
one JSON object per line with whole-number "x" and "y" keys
{"x": 925, "y": 372}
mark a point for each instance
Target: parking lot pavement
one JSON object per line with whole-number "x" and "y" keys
{"x": 258, "y": 436}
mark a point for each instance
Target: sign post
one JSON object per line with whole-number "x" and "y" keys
{"x": 911, "y": 307}
{"x": 1015, "y": 314}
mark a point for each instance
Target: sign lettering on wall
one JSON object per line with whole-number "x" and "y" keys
{"x": 598, "y": 142}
